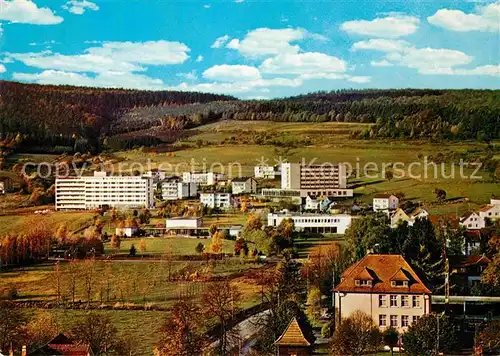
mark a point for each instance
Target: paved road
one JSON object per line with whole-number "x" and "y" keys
{"x": 245, "y": 331}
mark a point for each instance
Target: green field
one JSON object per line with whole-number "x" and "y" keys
{"x": 178, "y": 245}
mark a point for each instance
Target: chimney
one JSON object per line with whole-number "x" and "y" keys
{"x": 24, "y": 352}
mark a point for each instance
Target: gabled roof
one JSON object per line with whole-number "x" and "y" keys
{"x": 367, "y": 275}
{"x": 467, "y": 261}
{"x": 62, "y": 345}
{"x": 486, "y": 208}
{"x": 294, "y": 335}
{"x": 241, "y": 179}
{"x": 385, "y": 268}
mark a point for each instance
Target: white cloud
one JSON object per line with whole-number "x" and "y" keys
{"x": 109, "y": 79}
{"x": 232, "y": 73}
{"x": 220, "y": 41}
{"x": 381, "y": 63}
{"x": 26, "y": 11}
{"x": 387, "y": 27}
{"x": 74, "y": 63}
{"x": 2, "y": 68}
{"x": 381, "y": 44}
{"x": 199, "y": 59}
{"x": 489, "y": 70}
{"x": 206, "y": 6}
{"x": 239, "y": 1}
{"x": 264, "y": 42}
{"x": 433, "y": 61}
{"x": 1, "y": 30}
{"x": 110, "y": 56}
{"x": 260, "y": 85}
{"x": 360, "y": 79}
{"x": 303, "y": 63}
{"x": 78, "y": 7}
{"x": 152, "y": 52}
{"x": 189, "y": 75}
{"x": 485, "y": 18}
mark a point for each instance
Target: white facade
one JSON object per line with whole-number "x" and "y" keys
{"x": 2, "y": 188}
{"x": 472, "y": 221}
{"x": 83, "y": 193}
{"x": 318, "y": 223}
{"x": 385, "y": 202}
{"x": 174, "y": 189}
{"x": 235, "y": 230}
{"x": 244, "y": 185}
{"x": 266, "y": 172}
{"x": 491, "y": 212}
{"x": 202, "y": 178}
{"x": 184, "y": 222}
{"x": 125, "y": 231}
{"x": 216, "y": 200}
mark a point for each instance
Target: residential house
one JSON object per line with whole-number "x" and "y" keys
{"x": 399, "y": 216}
{"x": 312, "y": 203}
{"x": 465, "y": 271}
{"x": 296, "y": 340}
{"x": 471, "y": 221}
{"x": 216, "y": 200}
{"x": 385, "y": 202}
{"x": 419, "y": 213}
{"x": 174, "y": 188}
{"x": 244, "y": 185}
{"x": 384, "y": 287}
{"x": 491, "y": 211}
{"x": 62, "y": 345}
{"x": 267, "y": 172}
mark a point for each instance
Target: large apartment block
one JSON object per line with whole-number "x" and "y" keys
{"x": 173, "y": 188}
{"x": 319, "y": 179}
{"x": 99, "y": 190}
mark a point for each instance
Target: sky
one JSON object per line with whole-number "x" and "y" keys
{"x": 252, "y": 49}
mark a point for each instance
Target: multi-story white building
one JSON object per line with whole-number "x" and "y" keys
{"x": 384, "y": 287}
{"x": 267, "y": 172}
{"x": 491, "y": 211}
{"x": 173, "y": 188}
{"x": 321, "y": 179}
{"x": 202, "y": 178}
{"x": 100, "y": 190}
{"x": 244, "y": 185}
{"x": 385, "y": 202}
{"x": 216, "y": 200}
{"x": 472, "y": 221}
{"x": 316, "y": 223}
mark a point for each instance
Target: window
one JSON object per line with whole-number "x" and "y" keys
{"x": 382, "y": 320}
{"x": 415, "y": 301}
{"x": 363, "y": 283}
{"x": 404, "y": 301}
{"x": 394, "y": 321}
{"x": 399, "y": 283}
{"x": 394, "y": 300}
{"x": 404, "y": 321}
{"x": 415, "y": 319}
{"x": 382, "y": 300}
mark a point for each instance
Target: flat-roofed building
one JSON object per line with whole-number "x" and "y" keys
{"x": 316, "y": 223}
{"x": 244, "y": 185}
{"x": 216, "y": 200}
{"x": 202, "y": 178}
{"x": 174, "y": 188}
{"x": 101, "y": 190}
{"x": 267, "y": 172}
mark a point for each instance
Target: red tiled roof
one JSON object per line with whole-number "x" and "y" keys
{"x": 486, "y": 208}
{"x": 384, "y": 268}
{"x": 467, "y": 261}
{"x": 439, "y": 220}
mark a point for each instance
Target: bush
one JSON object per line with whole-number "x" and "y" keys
{"x": 8, "y": 293}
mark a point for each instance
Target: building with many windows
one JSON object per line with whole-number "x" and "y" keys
{"x": 244, "y": 185}
{"x": 174, "y": 188}
{"x": 216, "y": 200}
{"x": 316, "y": 223}
{"x": 384, "y": 287}
{"x": 267, "y": 172}
{"x": 385, "y": 202}
{"x": 321, "y": 179}
{"x": 202, "y": 178}
{"x": 101, "y": 190}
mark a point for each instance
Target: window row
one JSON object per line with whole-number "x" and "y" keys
{"x": 403, "y": 301}
{"x": 394, "y": 321}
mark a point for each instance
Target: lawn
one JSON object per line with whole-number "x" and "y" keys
{"x": 179, "y": 245}
{"x": 304, "y": 246}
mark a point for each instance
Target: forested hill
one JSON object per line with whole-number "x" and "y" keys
{"x": 72, "y": 119}
{"x": 405, "y": 113}
{"x": 41, "y": 112}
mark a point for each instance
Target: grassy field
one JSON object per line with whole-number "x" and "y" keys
{"x": 138, "y": 281}
{"x": 17, "y": 223}
{"x": 136, "y": 326}
{"x": 179, "y": 245}
{"x": 304, "y": 246}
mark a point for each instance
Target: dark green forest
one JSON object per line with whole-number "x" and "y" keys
{"x": 65, "y": 118}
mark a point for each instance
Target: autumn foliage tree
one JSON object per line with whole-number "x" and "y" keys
{"x": 356, "y": 335}
{"x": 180, "y": 334}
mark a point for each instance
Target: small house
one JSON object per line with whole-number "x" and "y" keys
{"x": 296, "y": 340}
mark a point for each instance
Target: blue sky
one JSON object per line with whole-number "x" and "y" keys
{"x": 251, "y": 49}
